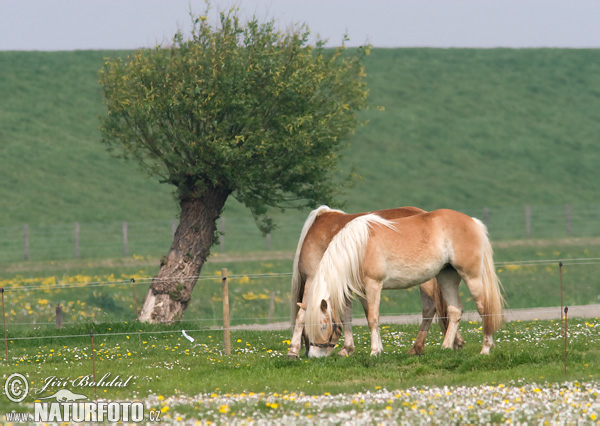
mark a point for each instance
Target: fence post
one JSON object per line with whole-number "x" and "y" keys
{"x": 125, "y": 240}
{"x": 527, "y": 221}
{"x": 173, "y": 228}
{"x": 486, "y": 217}
{"x": 134, "y": 297}
{"x": 26, "y": 241}
{"x": 94, "y": 365}
{"x": 221, "y": 234}
{"x": 59, "y": 313}
{"x": 4, "y": 324}
{"x": 272, "y": 306}
{"x": 566, "y": 310}
{"x": 568, "y": 216}
{"x": 226, "y": 331}
{"x": 76, "y": 240}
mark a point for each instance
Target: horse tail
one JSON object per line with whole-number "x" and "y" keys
{"x": 493, "y": 302}
{"x": 340, "y": 271}
{"x": 297, "y": 281}
{"x": 441, "y": 307}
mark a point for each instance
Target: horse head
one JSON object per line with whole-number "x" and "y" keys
{"x": 328, "y": 332}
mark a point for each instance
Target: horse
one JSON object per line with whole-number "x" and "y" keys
{"x": 321, "y": 225}
{"x": 371, "y": 253}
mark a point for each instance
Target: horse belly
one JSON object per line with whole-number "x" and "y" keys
{"x": 404, "y": 276}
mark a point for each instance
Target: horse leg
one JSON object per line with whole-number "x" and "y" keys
{"x": 296, "y": 342}
{"x": 428, "y": 310}
{"x": 432, "y": 289}
{"x": 346, "y": 318}
{"x": 371, "y": 306}
{"x": 298, "y": 334}
{"x": 449, "y": 280}
{"x": 475, "y": 286}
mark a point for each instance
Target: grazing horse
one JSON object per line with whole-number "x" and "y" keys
{"x": 319, "y": 229}
{"x": 371, "y": 253}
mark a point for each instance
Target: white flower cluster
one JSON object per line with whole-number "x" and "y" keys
{"x": 569, "y": 402}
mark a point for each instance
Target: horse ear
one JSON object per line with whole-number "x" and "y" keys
{"x": 324, "y": 305}
{"x": 302, "y": 305}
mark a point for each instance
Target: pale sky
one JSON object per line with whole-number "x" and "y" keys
{"x": 130, "y": 24}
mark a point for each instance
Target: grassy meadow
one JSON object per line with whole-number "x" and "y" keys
{"x": 461, "y": 128}
{"x": 101, "y": 291}
{"x": 186, "y": 380}
{"x": 486, "y": 132}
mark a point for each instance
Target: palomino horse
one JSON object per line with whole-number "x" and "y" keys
{"x": 371, "y": 253}
{"x": 319, "y": 229}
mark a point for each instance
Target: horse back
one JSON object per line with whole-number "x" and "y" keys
{"x": 328, "y": 224}
{"x": 437, "y": 237}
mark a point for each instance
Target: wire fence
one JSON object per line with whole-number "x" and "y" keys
{"x": 259, "y": 299}
{"x": 240, "y": 234}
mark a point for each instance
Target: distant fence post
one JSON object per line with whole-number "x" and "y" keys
{"x": 26, "y": 241}
{"x": 226, "y": 331}
{"x": 486, "y": 217}
{"x": 568, "y": 218}
{"x": 272, "y": 306}
{"x": 222, "y": 234}
{"x": 59, "y": 312}
{"x": 76, "y": 240}
{"x": 125, "y": 240}
{"x": 173, "y": 228}
{"x": 527, "y": 221}
{"x": 134, "y": 297}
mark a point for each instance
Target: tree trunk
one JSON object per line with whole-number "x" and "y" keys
{"x": 171, "y": 289}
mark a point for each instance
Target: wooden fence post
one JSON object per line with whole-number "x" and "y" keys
{"x": 76, "y": 240}
{"x": 226, "y": 331}
{"x": 568, "y": 216}
{"x": 527, "y": 221}
{"x": 486, "y": 217}
{"x": 26, "y": 241}
{"x": 59, "y": 312}
{"x": 125, "y": 240}
{"x": 173, "y": 227}
{"x": 272, "y": 306}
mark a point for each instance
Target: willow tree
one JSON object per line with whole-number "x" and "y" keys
{"x": 233, "y": 109}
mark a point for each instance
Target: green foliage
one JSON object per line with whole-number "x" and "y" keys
{"x": 243, "y": 107}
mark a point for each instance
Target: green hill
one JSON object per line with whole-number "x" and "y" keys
{"x": 462, "y": 128}
{"x": 472, "y": 128}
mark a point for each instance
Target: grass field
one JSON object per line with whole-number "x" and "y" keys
{"x": 90, "y": 290}
{"x": 523, "y": 379}
{"x": 196, "y": 381}
{"x": 462, "y": 129}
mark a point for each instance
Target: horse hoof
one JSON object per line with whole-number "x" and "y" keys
{"x": 414, "y": 351}
{"x": 345, "y": 352}
{"x": 292, "y": 355}
{"x": 458, "y": 346}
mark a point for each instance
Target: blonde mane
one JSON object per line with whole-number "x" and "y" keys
{"x": 296, "y": 278}
{"x": 340, "y": 271}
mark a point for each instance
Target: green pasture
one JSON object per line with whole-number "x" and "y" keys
{"x": 259, "y": 291}
{"x": 185, "y": 380}
{"x": 239, "y": 234}
{"x": 486, "y": 132}
{"x": 166, "y": 366}
{"x": 460, "y": 128}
